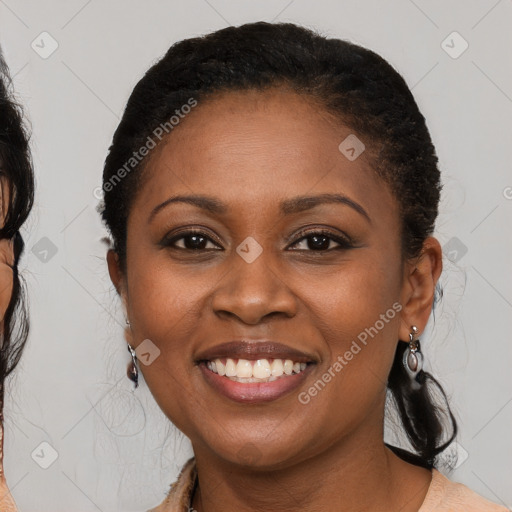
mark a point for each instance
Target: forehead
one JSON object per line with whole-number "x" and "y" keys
{"x": 253, "y": 148}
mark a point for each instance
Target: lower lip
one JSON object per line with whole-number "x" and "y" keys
{"x": 254, "y": 392}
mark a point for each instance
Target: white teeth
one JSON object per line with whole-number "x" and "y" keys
{"x": 230, "y": 368}
{"x": 244, "y": 368}
{"x": 277, "y": 367}
{"x": 221, "y": 369}
{"x": 252, "y": 379}
{"x": 288, "y": 367}
{"x": 261, "y": 370}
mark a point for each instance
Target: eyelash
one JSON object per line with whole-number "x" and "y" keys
{"x": 191, "y": 232}
{"x": 344, "y": 241}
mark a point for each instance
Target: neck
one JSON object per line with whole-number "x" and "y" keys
{"x": 357, "y": 474}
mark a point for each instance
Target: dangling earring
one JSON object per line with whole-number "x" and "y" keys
{"x": 413, "y": 358}
{"x": 132, "y": 371}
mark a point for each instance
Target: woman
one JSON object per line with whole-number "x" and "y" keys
{"x": 271, "y": 196}
{"x": 16, "y": 196}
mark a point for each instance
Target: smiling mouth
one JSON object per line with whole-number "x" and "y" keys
{"x": 252, "y": 371}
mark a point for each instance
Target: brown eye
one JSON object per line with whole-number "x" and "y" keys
{"x": 321, "y": 241}
{"x": 318, "y": 242}
{"x": 192, "y": 241}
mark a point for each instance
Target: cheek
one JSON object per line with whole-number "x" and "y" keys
{"x": 354, "y": 296}
{"x": 357, "y": 315}
{"x": 357, "y": 312}
{"x": 166, "y": 306}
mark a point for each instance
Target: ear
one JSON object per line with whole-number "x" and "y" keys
{"x": 418, "y": 289}
{"x": 118, "y": 279}
{"x": 116, "y": 275}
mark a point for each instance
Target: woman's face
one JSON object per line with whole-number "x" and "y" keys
{"x": 255, "y": 277}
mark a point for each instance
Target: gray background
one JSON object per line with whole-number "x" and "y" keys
{"x": 116, "y": 451}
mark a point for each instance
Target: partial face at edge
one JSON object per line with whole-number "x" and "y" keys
{"x": 6, "y": 255}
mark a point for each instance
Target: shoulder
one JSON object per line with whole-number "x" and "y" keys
{"x": 446, "y": 496}
{"x": 178, "y": 499}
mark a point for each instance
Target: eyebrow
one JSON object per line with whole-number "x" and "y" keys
{"x": 287, "y": 207}
{"x": 302, "y": 203}
{"x": 209, "y": 204}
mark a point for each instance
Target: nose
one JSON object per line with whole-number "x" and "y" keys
{"x": 253, "y": 291}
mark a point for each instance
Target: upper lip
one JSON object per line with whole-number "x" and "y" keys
{"x": 254, "y": 349}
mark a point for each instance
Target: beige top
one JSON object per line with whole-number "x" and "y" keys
{"x": 443, "y": 495}
{"x": 6, "y": 501}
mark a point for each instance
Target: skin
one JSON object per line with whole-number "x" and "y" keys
{"x": 252, "y": 150}
{"x": 6, "y": 284}
{"x": 6, "y": 256}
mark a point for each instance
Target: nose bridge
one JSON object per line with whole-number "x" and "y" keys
{"x": 253, "y": 287}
